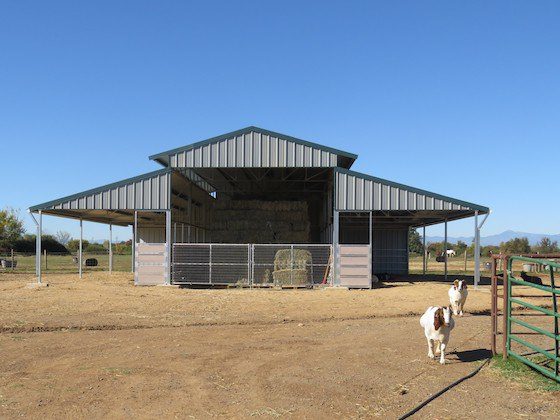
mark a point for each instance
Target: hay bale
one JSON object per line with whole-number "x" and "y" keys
{"x": 290, "y": 277}
{"x": 292, "y": 272}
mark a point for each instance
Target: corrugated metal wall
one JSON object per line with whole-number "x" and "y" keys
{"x": 150, "y": 192}
{"x": 363, "y": 193}
{"x": 253, "y": 150}
{"x": 390, "y": 250}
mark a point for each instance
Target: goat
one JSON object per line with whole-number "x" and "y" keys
{"x": 451, "y": 253}
{"x": 437, "y": 323}
{"x": 458, "y": 296}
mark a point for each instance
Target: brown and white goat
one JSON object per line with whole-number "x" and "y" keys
{"x": 438, "y": 323}
{"x": 458, "y": 296}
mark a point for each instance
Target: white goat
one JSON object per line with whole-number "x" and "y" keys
{"x": 458, "y": 296}
{"x": 451, "y": 253}
{"x": 438, "y": 323}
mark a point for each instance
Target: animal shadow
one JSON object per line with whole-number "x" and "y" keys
{"x": 473, "y": 355}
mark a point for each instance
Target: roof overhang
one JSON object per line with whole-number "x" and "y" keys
{"x": 357, "y": 192}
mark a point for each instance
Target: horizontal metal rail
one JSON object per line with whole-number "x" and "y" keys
{"x": 535, "y": 307}
{"x": 511, "y": 337}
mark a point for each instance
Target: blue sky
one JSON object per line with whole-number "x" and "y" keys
{"x": 460, "y": 98}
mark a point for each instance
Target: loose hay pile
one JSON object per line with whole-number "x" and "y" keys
{"x": 254, "y": 221}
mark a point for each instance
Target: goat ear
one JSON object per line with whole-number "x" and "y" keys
{"x": 464, "y": 285}
{"x": 437, "y": 319}
{"x": 456, "y": 284}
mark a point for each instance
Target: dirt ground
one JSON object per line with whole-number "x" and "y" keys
{"x": 101, "y": 347}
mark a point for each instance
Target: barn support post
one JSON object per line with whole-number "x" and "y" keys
{"x": 110, "y": 248}
{"x": 134, "y": 242}
{"x": 80, "y": 249}
{"x": 336, "y": 274}
{"x": 39, "y": 225}
{"x": 445, "y": 250}
{"x": 476, "y": 251}
{"x": 168, "y": 246}
{"x": 424, "y": 250}
{"x": 133, "y": 247}
{"x": 477, "y": 228}
{"x": 370, "y": 249}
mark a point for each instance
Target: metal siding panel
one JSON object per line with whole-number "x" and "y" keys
{"x": 239, "y": 151}
{"x": 246, "y": 162}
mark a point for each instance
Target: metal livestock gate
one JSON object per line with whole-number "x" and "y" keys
{"x": 251, "y": 264}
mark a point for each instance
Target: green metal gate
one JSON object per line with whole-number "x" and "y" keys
{"x": 552, "y": 360}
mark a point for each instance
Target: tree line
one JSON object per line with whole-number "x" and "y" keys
{"x": 513, "y": 246}
{"x": 13, "y": 236}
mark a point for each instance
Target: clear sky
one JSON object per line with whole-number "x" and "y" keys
{"x": 459, "y": 98}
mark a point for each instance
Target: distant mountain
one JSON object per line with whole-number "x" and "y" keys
{"x": 533, "y": 238}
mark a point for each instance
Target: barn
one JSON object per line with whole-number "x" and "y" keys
{"x": 256, "y": 207}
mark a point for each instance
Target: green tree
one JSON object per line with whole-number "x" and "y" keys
{"x": 546, "y": 246}
{"x": 461, "y": 247}
{"x": 74, "y": 244}
{"x": 516, "y": 246}
{"x": 11, "y": 227}
{"x": 415, "y": 245}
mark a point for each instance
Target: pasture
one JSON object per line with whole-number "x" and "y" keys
{"x": 100, "y": 347}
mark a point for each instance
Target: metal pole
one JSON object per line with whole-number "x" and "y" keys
{"x": 370, "y": 247}
{"x": 38, "y": 247}
{"x": 168, "y": 245}
{"x": 336, "y": 278}
{"x": 134, "y": 242}
{"x": 424, "y": 249}
{"x": 476, "y": 250}
{"x": 133, "y": 247}
{"x": 110, "y": 248}
{"x": 80, "y": 249}
{"x": 445, "y": 250}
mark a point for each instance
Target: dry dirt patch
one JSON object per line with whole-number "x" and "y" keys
{"x": 167, "y": 352}
{"x": 101, "y": 300}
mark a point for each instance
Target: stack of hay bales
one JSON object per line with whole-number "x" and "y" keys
{"x": 255, "y": 221}
{"x": 288, "y": 272}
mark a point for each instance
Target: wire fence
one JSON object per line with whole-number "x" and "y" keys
{"x": 251, "y": 264}
{"x": 24, "y": 262}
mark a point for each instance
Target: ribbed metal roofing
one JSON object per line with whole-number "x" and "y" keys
{"x": 360, "y": 192}
{"x": 254, "y": 147}
{"x": 145, "y": 192}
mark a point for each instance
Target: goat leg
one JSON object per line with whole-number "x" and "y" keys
{"x": 431, "y": 348}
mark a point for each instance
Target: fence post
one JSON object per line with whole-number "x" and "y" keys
{"x": 555, "y": 309}
{"x": 210, "y": 264}
{"x": 505, "y": 310}
{"x": 465, "y": 261}
{"x": 292, "y": 265}
{"x": 251, "y": 264}
{"x": 12, "y": 255}
{"x": 493, "y": 306}
{"x": 45, "y": 254}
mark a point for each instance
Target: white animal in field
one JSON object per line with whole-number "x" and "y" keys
{"x": 458, "y": 296}
{"x": 437, "y": 322}
{"x": 451, "y": 253}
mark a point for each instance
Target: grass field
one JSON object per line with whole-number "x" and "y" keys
{"x": 64, "y": 264}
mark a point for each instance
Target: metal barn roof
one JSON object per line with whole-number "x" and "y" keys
{"x": 254, "y": 147}
{"x": 357, "y": 192}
